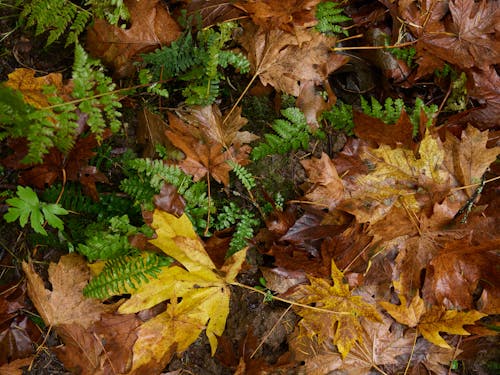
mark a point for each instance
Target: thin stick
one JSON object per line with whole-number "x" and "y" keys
{"x": 373, "y": 47}
{"x": 270, "y": 331}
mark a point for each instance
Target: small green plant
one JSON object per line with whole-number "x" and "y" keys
{"x": 26, "y": 205}
{"x": 64, "y": 17}
{"x": 111, "y": 242}
{"x": 329, "y": 15}
{"x": 246, "y": 178}
{"x": 125, "y": 274}
{"x": 245, "y": 222}
{"x": 340, "y": 117}
{"x": 55, "y": 125}
{"x": 406, "y": 54}
{"x": 292, "y": 134}
{"x": 146, "y": 178}
{"x": 389, "y": 112}
{"x": 197, "y": 61}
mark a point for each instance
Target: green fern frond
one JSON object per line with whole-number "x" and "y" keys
{"x": 125, "y": 274}
{"x": 196, "y": 63}
{"x": 246, "y": 178}
{"x": 63, "y": 17}
{"x": 389, "y": 112}
{"x": 340, "y": 117}
{"x": 293, "y": 133}
{"x": 329, "y": 15}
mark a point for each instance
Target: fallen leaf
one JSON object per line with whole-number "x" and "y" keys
{"x": 203, "y": 154}
{"x": 468, "y": 158}
{"x": 471, "y": 39}
{"x": 16, "y": 367}
{"x": 338, "y": 316}
{"x": 282, "y": 14}
{"x": 213, "y": 12}
{"x": 150, "y": 132}
{"x": 273, "y": 55}
{"x": 151, "y": 26}
{"x": 327, "y": 189}
{"x": 431, "y": 321}
{"x": 203, "y": 291}
{"x": 31, "y": 87}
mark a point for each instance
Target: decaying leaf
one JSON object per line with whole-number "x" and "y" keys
{"x": 431, "y": 321}
{"x": 152, "y": 26}
{"x": 274, "y": 54}
{"x": 327, "y": 189}
{"x": 204, "y": 293}
{"x": 204, "y": 154}
{"x": 338, "y": 311}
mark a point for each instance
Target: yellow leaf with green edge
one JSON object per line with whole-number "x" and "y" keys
{"x": 203, "y": 292}
{"x": 395, "y": 178}
{"x": 431, "y": 321}
{"x": 335, "y": 312}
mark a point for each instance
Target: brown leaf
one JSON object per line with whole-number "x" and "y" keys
{"x": 282, "y": 14}
{"x": 468, "y": 158}
{"x": 471, "y": 38}
{"x": 327, "y": 189}
{"x": 203, "y": 155}
{"x": 150, "y": 132}
{"x": 274, "y": 54}
{"x": 454, "y": 275}
{"x": 213, "y": 11}
{"x": 170, "y": 200}
{"x": 151, "y": 27}
{"x": 68, "y": 278}
{"x": 373, "y": 129}
{"x": 16, "y": 367}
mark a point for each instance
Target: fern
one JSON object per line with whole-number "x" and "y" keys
{"x": 292, "y": 134}
{"x": 197, "y": 63}
{"x": 245, "y": 222}
{"x": 246, "y": 178}
{"x": 63, "y": 17}
{"x": 125, "y": 274}
{"x": 340, "y": 117}
{"x": 388, "y": 113}
{"x": 405, "y": 54}
{"x": 146, "y": 177}
{"x": 458, "y": 98}
{"x": 55, "y": 125}
{"x": 414, "y": 114}
{"x": 110, "y": 242}
{"x": 329, "y": 15}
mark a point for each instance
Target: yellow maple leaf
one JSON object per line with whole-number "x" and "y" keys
{"x": 431, "y": 321}
{"x": 336, "y": 311}
{"x": 395, "y": 179}
{"x": 204, "y": 294}
{"x": 31, "y": 87}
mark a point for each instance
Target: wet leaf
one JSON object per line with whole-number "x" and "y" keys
{"x": 340, "y": 322}
{"x": 430, "y": 321}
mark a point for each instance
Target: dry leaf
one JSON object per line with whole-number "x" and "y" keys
{"x": 204, "y": 294}
{"x": 431, "y": 321}
{"x": 203, "y": 154}
{"x": 150, "y": 132}
{"x": 327, "y": 189}
{"x": 151, "y": 26}
{"x": 274, "y": 54}
{"x": 338, "y": 319}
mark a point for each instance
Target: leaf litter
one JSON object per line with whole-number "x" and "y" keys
{"x": 375, "y": 232}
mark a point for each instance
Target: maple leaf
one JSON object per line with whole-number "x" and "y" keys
{"x": 468, "y": 158}
{"x": 336, "y": 311}
{"x": 471, "y": 39}
{"x": 31, "y": 87}
{"x": 283, "y": 14}
{"x": 151, "y": 26}
{"x": 204, "y": 292}
{"x": 327, "y": 188}
{"x": 219, "y": 129}
{"x": 274, "y": 54}
{"x": 394, "y": 180}
{"x": 203, "y": 154}
{"x": 381, "y": 345}
{"x": 431, "y": 321}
